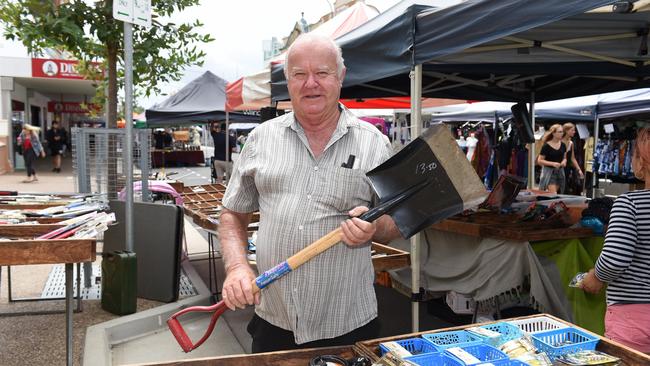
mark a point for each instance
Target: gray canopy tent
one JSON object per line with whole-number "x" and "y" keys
{"x": 201, "y": 101}
{"x": 502, "y": 50}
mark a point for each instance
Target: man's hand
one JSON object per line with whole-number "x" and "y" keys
{"x": 237, "y": 290}
{"x": 591, "y": 283}
{"x": 355, "y": 230}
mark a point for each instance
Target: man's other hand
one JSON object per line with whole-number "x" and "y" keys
{"x": 237, "y": 290}
{"x": 355, "y": 230}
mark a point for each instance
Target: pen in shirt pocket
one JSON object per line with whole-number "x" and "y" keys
{"x": 350, "y": 162}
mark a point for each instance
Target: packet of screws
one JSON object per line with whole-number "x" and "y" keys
{"x": 583, "y": 358}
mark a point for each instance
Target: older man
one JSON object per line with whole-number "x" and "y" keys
{"x": 295, "y": 170}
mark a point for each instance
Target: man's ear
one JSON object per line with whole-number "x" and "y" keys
{"x": 342, "y": 77}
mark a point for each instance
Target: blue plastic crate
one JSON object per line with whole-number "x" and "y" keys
{"x": 414, "y": 345}
{"x": 434, "y": 359}
{"x": 507, "y": 333}
{"x": 457, "y": 338}
{"x": 562, "y": 341}
{"x": 483, "y": 353}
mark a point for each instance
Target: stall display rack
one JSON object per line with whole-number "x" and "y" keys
{"x": 628, "y": 356}
{"x": 509, "y": 227}
{"x": 370, "y": 349}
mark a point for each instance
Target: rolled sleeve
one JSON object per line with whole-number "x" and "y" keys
{"x": 242, "y": 195}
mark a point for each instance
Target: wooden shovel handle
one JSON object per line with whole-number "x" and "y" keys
{"x": 297, "y": 260}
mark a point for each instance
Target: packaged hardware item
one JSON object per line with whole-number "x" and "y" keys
{"x": 536, "y": 359}
{"x": 397, "y": 349}
{"x": 390, "y": 359}
{"x": 589, "y": 358}
{"x": 577, "y": 280}
{"x": 517, "y": 347}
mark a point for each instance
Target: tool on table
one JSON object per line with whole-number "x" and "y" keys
{"x": 427, "y": 181}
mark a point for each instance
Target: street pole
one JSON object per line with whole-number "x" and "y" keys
{"x": 128, "y": 143}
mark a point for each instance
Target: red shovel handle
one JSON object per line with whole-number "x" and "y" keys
{"x": 179, "y": 333}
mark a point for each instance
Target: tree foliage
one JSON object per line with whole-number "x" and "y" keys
{"x": 89, "y": 33}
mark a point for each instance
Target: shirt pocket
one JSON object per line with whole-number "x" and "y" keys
{"x": 344, "y": 189}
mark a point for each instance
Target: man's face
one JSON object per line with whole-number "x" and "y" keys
{"x": 314, "y": 84}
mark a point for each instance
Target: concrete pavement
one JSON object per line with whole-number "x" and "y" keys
{"x": 48, "y": 181}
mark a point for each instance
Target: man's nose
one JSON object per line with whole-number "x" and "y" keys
{"x": 311, "y": 81}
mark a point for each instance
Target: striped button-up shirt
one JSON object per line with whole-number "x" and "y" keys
{"x": 300, "y": 199}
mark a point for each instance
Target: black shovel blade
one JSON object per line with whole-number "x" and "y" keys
{"x": 452, "y": 184}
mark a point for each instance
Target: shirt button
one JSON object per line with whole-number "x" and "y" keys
{"x": 316, "y": 168}
{"x": 300, "y": 227}
{"x": 309, "y": 196}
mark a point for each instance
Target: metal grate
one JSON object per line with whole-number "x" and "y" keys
{"x": 55, "y": 284}
{"x": 98, "y": 159}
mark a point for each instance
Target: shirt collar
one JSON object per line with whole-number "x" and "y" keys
{"x": 346, "y": 119}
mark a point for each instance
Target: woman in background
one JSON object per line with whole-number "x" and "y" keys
{"x": 572, "y": 163}
{"x": 32, "y": 149}
{"x": 552, "y": 158}
{"x": 624, "y": 262}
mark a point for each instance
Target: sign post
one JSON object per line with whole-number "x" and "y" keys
{"x": 130, "y": 12}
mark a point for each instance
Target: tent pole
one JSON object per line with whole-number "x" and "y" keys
{"x": 227, "y": 132}
{"x": 594, "y": 173}
{"x": 531, "y": 150}
{"x": 416, "y": 130}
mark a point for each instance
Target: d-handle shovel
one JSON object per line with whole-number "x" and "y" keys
{"x": 283, "y": 268}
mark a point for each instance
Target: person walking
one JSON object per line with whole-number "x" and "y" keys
{"x": 291, "y": 171}
{"x": 624, "y": 262}
{"x": 56, "y": 138}
{"x": 222, "y": 167}
{"x": 553, "y": 159}
{"x": 31, "y": 146}
{"x": 573, "y": 182}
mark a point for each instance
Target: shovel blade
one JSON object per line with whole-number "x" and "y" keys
{"x": 453, "y": 184}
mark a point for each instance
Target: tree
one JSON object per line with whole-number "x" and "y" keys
{"x": 90, "y": 34}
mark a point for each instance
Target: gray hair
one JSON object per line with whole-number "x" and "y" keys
{"x": 310, "y": 37}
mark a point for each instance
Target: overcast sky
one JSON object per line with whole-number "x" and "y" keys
{"x": 239, "y": 28}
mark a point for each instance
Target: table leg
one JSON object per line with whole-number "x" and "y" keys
{"x": 68, "y": 312}
{"x": 79, "y": 286}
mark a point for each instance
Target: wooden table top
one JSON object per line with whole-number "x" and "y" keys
{"x": 50, "y": 251}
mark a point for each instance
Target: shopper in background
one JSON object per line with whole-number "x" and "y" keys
{"x": 291, "y": 171}
{"x": 222, "y": 167}
{"x": 31, "y": 146}
{"x": 553, "y": 159}
{"x": 572, "y": 163}
{"x": 56, "y": 138}
{"x": 624, "y": 262}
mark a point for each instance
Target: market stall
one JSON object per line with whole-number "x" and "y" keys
{"x": 547, "y": 339}
{"x": 201, "y": 101}
{"x": 539, "y": 339}
{"x": 66, "y": 236}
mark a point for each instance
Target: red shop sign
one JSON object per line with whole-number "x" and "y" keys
{"x": 70, "y": 107}
{"x": 56, "y": 69}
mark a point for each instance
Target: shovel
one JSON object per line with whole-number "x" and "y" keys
{"x": 428, "y": 180}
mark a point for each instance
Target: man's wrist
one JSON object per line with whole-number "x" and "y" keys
{"x": 236, "y": 265}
